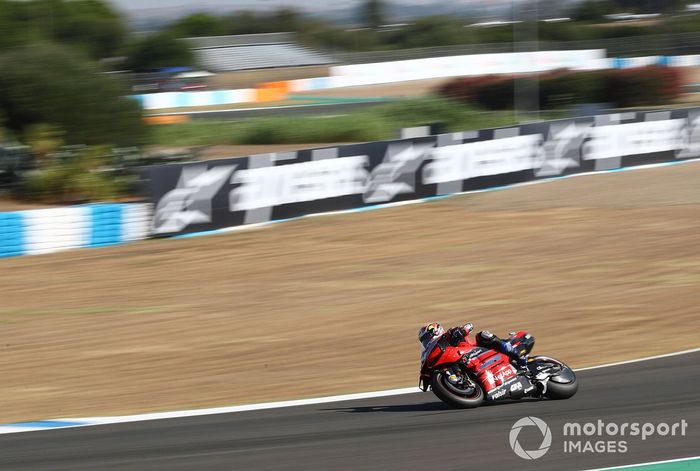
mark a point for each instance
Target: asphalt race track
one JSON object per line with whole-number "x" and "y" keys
{"x": 410, "y": 432}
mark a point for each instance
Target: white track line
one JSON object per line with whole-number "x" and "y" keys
{"x": 91, "y": 421}
{"x": 655, "y": 357}
{"x": 648, "y": 463}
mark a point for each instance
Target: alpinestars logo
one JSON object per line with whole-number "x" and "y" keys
{"x": 190, "y": 202}
{"x": 690, "y": 137}
{"x": 563, "y": 148}
{"x": 397, "y": 173}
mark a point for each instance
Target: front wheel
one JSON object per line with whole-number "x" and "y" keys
{"x": 563, "y": 383}
{"x": 561, "y": 390}
{"x": 463, "y": 396}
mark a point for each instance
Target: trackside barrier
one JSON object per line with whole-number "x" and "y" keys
{"x": 43, "y": 231}
{"x": 272, "y": 91}
{"x": 466, "y": 65}
{"x": 154, "y": 101}
{"x": 400, "y": 71}
{"x": 204, "y": 196}
{"x": 481, "y": 64}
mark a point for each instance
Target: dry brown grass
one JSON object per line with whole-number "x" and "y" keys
{"x": 7, "y": 204}
{"x": 597, "y": 268}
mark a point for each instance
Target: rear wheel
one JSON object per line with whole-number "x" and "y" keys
{"x": 464, "y": 395}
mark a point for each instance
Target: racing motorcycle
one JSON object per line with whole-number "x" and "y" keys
{"x": 464, "y": 375}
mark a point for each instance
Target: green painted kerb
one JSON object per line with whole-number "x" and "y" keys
{"x": 691, "y": 464}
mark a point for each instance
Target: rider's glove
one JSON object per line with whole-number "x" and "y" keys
{"x": 457, "y": 335}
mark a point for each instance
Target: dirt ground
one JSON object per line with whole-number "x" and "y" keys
{"x": 598, "y": 268}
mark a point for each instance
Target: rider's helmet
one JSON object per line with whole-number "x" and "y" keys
{"x": 429, "y": 332}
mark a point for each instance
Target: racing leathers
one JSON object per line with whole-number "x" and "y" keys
{"x": 487, "y": 339}
{"x": 430, "y": 334}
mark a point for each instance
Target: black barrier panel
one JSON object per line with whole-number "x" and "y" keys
{"x": 209, "y": 195}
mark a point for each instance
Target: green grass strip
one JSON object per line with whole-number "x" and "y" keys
{"x": 378, "y": 123}
{"x": 682, "y": 464}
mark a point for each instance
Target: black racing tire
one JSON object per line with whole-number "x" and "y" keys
{"x": 562, "y": 386}
{"x": 561, "y": 390}
{"x": 452, "y": 398}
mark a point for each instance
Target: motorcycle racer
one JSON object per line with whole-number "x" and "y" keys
{"x": 429, "y": 334}
{"x": 463, "y": 371}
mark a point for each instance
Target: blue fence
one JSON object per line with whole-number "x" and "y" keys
{"x": 51, "y": 230}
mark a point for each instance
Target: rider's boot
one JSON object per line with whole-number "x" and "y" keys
{"x": 521, "y": 365}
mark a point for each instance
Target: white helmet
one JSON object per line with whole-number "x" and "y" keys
{"x": 429, "y": 332}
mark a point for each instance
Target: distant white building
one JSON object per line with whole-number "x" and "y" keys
{"x": 631, "y": 16}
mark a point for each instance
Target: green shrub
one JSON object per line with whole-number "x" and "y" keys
{"x": 196, "y": 133}
{"x": 642, "y": 86}
{"x": 91, "y": 26}
{"x": 157, "y": 51}
{"x": 50, "y": 84}
{"x": 308, "y": 130}
{"x": 623, "y": 88}
{"x": 492, "y": 92}
{"x": 497, "y": 95}
{"x": 75, "y": 177}
{"x": 313, "y": 130}
{"x": 562, "y": 89}
{"x": 377, "y": 123}
{"x": 421, "y": 111}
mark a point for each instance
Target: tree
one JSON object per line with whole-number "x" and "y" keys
{"x": 157, "y": 51}
{"x": 374, "y": 13}
{"x": 90, "y": 25}
{"x": 430, "y": 31}
{"x": 12, "y": 25}
{"x": 50, "y": 84}
{"x": 248, "y": 22}
{"x": 595, "y": 10}
{"x": 287, "y": 19}
{"x": 650, "y": 6}
{"x": 592, "y": 10}
{"x": 198, "y": 24}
